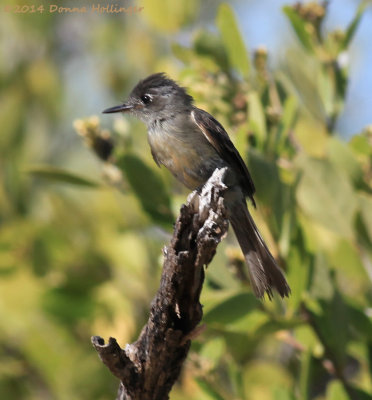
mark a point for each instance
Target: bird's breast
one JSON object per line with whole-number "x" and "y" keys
{"x": 186, "y": 153}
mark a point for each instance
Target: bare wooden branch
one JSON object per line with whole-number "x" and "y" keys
{"x": 149, "y": 367}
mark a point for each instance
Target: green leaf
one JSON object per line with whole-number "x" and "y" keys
{"x": 290, "y": 109}
{"x": 350, "y": 32}
{"x": 213, "y": 350}
{"x": 231, "y": 309}
{"x": 328, "y": 316}
{"x": 12, "y": 106}
{"x": 299, "y": 26}
{"x": 345, "y": 258}
{"x": 168, "y": 15}
{"x": 60, "y": 175}
{"x": 343, "y": 158}
{"x": 283, "y": 394}
{"x": 326, "y": 89}
{"x": 322, "y": 285}
{"x": 262, "y": 377}
{"x": 326, "y": 196}
{"x": 67, "y": 306}
{"x": 306, "y": 337}
{"x": 341, "y": 81}
{"x": 305, "y": 374}
{"x": 148, "y": 187}
{"x": 257, "y": 119}
{"x": 360, "y": 144}
{"x": 236, "y": 379}
{"x": 360, "y": 324}
{"x": 297, "y": 273}
{"x": 210, "y": 45}
{"x": 239, "y": 314}
{"x": 359, "y": 394}
{"x": 336, "y": 391}
{"x": 183, "y": 53}
{"x": 209, "y": 389}
{"x": 232, "y": 40}
{"x": 253, "y": 322}
{"x": 365, "y": 207}
{"x": 271, "y": 192}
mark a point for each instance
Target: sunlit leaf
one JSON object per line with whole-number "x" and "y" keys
{"x": 336, "y": 391}
{"x": 209, "y": 389}
{"x": 251, "y": 322}
{"x": 256, "y": 116}
{"x": 305, "y": 374}
{"x": 283, "y": 394}
{"x": 263, "y": 377}
{"x": 350, "y": 31}
{"x": 290, "y": 110}
{"x": 299, "y": 26}
{"x": 345, "y": 258}
{"x": 343, "y": 158}
{"x": 231, "y": 309}
{"x": 322, "y": 286}
{"x": 326, "y": 89}
{"x": 213, "y": 350}
{"x": 307, "y": 339}
{"x": 236, "y": 379}
{"x": 325, "y": 195}
{"x": 60, "y": 175}
{"x": 298, "y": 269}
{"x": 361, "y": 145}
{"x": 169, "y": 16}
{"x": 232, "y": 40}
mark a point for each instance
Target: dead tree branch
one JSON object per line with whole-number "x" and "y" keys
{"x": 149, "y": 367}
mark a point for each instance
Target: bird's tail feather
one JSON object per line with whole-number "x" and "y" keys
{"x": 264, "y": 273}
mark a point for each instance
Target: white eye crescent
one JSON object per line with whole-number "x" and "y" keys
{"x": 146, "y": 99}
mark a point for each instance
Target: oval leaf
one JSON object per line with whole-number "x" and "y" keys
{"x": 148, "y": 187}
{"x": 299, "y": 26}
{"x": 326, "y": 196}
{"x": 60, "y": 175}
{"x": 232, "y": 40}
{"x": 350, "y": 32}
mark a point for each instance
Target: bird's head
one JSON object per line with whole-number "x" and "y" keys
{"x": 155, "y": 97}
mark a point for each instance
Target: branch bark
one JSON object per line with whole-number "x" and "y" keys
{"x": 149, "y": 367}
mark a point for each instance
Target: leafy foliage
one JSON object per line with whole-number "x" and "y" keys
{"x": 77, "y": 262}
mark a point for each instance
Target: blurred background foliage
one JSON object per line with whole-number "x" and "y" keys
{"x": 82, "y": 227}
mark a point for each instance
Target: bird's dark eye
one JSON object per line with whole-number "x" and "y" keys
{"x": 146, "y": 99}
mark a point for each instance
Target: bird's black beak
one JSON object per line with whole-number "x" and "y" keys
{"x": 122, "y": 108}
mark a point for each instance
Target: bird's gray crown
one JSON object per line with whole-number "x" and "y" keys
{"x": 160, "y": 84}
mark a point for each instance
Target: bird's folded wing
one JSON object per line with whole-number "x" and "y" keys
{"x": 219, "y": 139}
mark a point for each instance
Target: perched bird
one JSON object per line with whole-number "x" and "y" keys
{"x": 192, "y": 144}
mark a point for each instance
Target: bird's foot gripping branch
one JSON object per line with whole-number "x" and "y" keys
{"x": 149, "y": 367}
